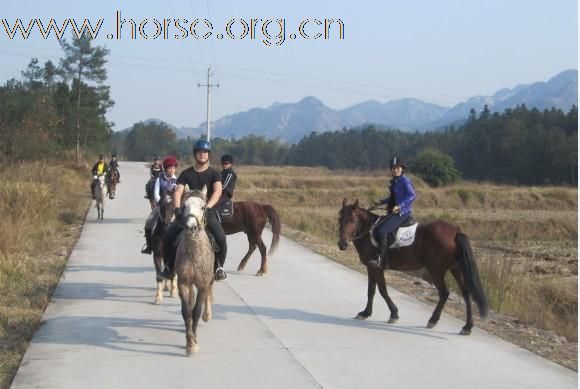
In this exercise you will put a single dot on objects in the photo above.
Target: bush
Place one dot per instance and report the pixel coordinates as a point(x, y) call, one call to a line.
point(435, 167)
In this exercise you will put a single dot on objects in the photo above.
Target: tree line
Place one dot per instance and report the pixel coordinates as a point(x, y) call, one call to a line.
point(520, 145)
point(57, 108)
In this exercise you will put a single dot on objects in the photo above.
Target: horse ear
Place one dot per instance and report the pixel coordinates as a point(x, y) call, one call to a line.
point(344, 202)
point(204, 191)
point(187, 190)
point(355, 206)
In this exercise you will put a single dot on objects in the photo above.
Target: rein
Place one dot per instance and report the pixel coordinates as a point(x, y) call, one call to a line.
point(356, 237)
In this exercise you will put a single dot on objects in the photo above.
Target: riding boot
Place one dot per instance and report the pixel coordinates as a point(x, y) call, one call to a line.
point(384, 252)
point(147, 248)
point(376, 262)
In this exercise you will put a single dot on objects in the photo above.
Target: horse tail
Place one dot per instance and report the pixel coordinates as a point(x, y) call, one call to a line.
point(469, 268)
point(274, 220)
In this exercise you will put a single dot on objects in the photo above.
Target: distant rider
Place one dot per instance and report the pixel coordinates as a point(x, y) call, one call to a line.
point(99, 168)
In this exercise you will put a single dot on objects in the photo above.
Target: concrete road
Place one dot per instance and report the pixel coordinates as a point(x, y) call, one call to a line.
point(290, 329)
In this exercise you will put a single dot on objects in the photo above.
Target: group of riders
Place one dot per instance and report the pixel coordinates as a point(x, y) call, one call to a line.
point(220, 190)
point(101, 167)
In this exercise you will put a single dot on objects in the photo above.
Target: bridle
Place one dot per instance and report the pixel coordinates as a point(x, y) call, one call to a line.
point(356, 225)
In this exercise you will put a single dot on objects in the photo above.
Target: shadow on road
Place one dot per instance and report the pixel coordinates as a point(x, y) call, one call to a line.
point(103, 332)
point(220, 312)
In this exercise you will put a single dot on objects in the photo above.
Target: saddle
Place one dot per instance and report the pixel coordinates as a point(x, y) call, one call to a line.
point(225, 209)
point(401, 237)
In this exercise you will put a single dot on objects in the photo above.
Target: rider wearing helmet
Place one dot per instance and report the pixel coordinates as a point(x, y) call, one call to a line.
point(165, 185)
point(154, 172)
point(99, 168)
point(114, 166)
point(156, 168)
point(196, 177)
point(399, 207)
point(228, 177)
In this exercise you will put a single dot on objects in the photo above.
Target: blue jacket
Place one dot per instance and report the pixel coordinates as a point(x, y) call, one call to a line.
point(402, 194)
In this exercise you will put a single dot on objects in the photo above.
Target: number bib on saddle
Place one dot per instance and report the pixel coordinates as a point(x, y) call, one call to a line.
point(405, 236)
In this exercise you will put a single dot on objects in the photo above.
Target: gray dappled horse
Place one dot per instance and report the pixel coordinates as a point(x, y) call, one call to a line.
point(194, 266)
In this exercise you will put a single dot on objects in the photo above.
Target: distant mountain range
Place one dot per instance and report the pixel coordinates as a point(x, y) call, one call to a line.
point(292, 121)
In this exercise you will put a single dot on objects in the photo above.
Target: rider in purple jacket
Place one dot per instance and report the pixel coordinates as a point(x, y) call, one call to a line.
point(399, 206)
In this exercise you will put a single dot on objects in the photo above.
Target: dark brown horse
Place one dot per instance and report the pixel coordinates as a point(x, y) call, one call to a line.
point(438, 247)
point(251, 218)
point(165, 215)
point(112, 181)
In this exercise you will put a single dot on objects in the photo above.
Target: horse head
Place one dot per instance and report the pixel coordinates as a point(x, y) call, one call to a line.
point(194, 206)
point(101, 181)
point(166, 210)
point(347, 223)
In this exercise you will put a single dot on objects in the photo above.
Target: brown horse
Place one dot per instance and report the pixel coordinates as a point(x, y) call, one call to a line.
point(438, 247)
point(112, 181)
point(251, 218)
point(165, 216)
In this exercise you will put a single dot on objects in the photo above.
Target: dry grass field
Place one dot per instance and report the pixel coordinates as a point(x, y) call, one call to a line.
point(42, 209)
point(524, 238)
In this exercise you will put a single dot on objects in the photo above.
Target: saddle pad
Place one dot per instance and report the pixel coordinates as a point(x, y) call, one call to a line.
point(405, 236)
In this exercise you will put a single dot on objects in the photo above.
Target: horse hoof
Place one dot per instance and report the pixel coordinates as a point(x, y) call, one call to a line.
point(465, 331)
point(431, 324)
point(205, 317)
point(240, 268)
point(393, 320)
point(191, 349)
point(259, 274)
point(360, 317)
point(157, 301)
point(173, 293)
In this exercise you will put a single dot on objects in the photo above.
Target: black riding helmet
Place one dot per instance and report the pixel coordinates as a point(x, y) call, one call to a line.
point(227, 158)
point(396, 161)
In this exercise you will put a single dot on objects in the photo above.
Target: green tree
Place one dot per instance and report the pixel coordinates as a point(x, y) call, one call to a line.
point(435, 167)
point(82, 64)
point(146, 140)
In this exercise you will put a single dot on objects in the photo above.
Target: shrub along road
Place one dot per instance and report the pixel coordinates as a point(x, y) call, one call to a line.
point(291, 328)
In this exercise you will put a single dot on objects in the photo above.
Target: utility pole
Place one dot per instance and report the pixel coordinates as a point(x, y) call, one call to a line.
point(209, 85)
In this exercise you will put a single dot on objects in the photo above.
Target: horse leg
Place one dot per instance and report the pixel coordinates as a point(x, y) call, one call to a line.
point(207, 305)
point(379, 275)
point(173, 291)
point(439, 282)
point(202, 295)
point(159, 294)
point(466, 330)
point(187, 296)
point(264, 264)
point(251, 249)
point(372, 287)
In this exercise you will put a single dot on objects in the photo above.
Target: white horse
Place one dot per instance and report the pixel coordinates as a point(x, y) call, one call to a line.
point(100, 195)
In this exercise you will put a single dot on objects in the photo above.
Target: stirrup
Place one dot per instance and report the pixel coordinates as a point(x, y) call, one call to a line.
point(375, 262)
